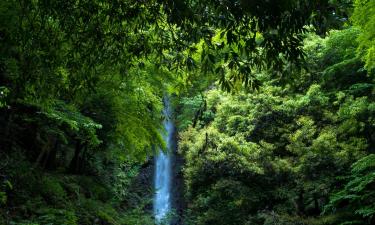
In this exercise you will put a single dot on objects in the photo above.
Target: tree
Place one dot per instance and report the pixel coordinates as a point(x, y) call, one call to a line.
point(363, 17)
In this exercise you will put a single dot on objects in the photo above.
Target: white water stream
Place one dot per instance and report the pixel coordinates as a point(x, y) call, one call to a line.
point(162, 198)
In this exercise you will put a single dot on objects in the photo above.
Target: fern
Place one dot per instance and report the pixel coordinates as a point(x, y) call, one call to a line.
point(358, 192)
point(364, 164)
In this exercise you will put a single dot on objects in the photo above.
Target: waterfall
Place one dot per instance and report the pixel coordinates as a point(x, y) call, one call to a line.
point(162, 198)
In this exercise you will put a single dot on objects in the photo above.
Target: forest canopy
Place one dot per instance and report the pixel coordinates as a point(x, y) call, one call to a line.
point(273, 102)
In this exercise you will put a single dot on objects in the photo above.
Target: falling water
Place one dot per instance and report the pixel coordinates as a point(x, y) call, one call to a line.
point(162, 199)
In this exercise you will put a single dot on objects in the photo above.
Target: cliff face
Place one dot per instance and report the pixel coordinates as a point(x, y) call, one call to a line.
point(178, 201)
point(143, 185)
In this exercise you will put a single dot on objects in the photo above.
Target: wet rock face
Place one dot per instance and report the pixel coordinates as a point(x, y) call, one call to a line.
point(143, 185)
point(168, 179)
point(177, 181)
point(171, 198)
point(178, 202)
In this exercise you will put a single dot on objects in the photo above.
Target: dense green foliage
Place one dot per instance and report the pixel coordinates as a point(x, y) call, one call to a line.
point(76, 118)
point(286, 154)
point(275, 109)
point(364, 18)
